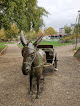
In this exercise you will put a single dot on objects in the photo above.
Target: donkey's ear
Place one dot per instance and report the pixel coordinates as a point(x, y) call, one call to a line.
point(23, 39)
point(38, 41)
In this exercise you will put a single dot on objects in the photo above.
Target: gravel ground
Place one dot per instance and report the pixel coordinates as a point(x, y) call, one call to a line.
point(60, 88)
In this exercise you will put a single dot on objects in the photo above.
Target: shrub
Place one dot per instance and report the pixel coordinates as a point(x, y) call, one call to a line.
point(68, 39)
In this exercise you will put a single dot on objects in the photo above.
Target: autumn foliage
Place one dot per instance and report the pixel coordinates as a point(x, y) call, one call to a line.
point(9, 34)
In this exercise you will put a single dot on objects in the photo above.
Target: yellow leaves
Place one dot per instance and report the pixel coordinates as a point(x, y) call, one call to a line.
point(28, 102)
point(2, 34)
point(50, 31)
point(13, 27)
point(24, 100)
point(10, 33)
point(39, 33)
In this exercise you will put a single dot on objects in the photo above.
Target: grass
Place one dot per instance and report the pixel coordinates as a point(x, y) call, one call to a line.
point(76, 48)
point(2, 46)
point(3, 43)
point(11, 42)
point(54, 43)
point(21, 45)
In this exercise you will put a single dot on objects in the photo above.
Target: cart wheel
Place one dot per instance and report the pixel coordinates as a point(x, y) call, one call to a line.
point(55, 62)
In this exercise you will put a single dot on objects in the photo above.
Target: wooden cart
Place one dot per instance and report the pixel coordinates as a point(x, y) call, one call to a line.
point(51, 57)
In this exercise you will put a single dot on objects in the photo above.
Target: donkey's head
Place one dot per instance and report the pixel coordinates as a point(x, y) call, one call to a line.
point(28, 52)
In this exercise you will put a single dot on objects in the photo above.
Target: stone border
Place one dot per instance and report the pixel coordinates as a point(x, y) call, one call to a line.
point(4, 50)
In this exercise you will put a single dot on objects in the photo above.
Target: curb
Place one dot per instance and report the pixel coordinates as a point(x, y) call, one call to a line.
point(4, 50)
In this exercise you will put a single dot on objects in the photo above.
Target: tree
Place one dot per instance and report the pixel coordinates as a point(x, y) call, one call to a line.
point(31, 35)
point(67, 30)
point(39, 33)
point(77, 27)
point(26, 14)
point(50, 31)
point(2, 35)
point(12, 32)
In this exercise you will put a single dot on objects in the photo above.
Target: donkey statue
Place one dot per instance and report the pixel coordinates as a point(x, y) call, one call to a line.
point(33, 61)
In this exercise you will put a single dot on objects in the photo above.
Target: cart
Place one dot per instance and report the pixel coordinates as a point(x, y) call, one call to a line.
point(51, 57)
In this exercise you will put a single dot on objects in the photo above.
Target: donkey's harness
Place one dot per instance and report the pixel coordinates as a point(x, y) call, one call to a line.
point(32, 56)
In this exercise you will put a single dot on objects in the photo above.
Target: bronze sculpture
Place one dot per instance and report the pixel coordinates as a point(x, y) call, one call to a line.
point(33, 61)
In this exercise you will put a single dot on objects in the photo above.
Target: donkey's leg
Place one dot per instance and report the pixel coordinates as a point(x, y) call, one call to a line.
point(38, 82)
point(30, 84)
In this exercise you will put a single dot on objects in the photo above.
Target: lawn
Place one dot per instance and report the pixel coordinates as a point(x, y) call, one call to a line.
point(76, 48)
point(20, 45)
point(54, 43)
point(3, 43)
point(2, 46)
point(11, 42)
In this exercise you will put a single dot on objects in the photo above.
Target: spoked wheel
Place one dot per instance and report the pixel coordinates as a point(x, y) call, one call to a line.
point(55, 62)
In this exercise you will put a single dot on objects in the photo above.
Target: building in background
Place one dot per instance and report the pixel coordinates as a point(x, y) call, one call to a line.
point(47, 37)
point(62, 31)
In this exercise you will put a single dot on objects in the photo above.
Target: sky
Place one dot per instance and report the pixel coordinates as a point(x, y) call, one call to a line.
point(61, 12)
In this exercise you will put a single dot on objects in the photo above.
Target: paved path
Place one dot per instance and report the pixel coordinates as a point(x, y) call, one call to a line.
point(61, 88)
point(13, 51)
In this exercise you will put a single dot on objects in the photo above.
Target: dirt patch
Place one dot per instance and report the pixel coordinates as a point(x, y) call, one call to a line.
point(60, 88)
